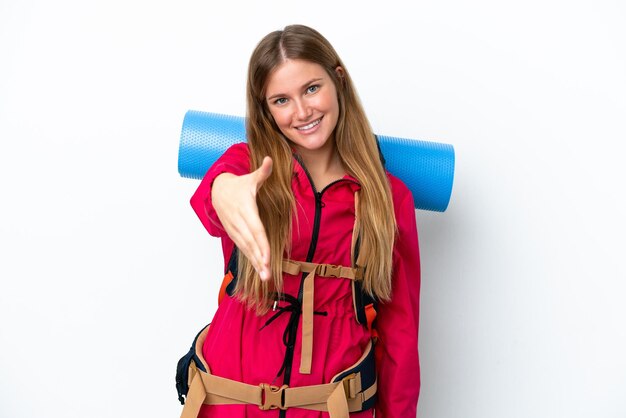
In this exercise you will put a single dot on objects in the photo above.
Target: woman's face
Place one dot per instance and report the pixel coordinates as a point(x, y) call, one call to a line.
point(302, 99)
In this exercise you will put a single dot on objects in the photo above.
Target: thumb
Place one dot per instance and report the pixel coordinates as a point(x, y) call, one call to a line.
point(263, 172)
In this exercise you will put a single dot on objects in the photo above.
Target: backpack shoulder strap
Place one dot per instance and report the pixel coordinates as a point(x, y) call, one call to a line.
point(230, 276)
point(364, 304)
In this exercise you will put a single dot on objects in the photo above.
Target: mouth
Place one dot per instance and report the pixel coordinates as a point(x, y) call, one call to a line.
point(309, 125)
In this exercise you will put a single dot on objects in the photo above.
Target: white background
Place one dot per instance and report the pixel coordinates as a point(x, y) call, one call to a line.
point(106, 273)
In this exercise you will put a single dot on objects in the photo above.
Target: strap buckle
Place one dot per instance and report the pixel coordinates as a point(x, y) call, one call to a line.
point(359, 272)
point(329, 270)
point(272, 397)
point(350, 385)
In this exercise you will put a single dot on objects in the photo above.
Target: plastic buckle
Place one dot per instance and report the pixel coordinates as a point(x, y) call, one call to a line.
point(329, 270)
point(359, 272)
point(272, 397)
point(349, 386)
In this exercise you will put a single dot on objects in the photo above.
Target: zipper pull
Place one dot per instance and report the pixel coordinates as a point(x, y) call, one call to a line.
point(318, 198)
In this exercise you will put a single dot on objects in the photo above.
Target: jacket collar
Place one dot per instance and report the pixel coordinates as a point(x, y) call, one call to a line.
point(299, 169)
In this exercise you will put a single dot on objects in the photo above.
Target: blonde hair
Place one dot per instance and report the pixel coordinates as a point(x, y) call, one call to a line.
point(356, 147)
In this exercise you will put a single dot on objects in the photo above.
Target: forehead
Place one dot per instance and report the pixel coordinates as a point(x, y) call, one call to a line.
point(293, 75)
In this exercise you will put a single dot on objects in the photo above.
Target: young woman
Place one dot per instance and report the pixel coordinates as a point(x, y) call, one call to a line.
point(313, 227)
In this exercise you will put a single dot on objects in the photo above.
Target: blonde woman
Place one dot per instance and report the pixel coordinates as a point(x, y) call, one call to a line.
point(316, 234)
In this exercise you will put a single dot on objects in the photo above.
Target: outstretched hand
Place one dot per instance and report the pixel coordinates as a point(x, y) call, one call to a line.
point(234, 200)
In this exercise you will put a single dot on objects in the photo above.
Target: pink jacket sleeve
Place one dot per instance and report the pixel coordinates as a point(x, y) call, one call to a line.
point(397, 323)
point(236, 161)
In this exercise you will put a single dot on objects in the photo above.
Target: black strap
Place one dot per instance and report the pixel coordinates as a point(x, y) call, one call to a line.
point(182, 369)
point(232, 267)
point(380, 152)
point(361, 298)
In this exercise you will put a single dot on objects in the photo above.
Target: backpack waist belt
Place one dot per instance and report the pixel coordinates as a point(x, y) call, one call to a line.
point(323, 270)
point(351, 390)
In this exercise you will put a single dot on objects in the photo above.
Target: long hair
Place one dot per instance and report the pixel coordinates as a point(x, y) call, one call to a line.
point(356, 147)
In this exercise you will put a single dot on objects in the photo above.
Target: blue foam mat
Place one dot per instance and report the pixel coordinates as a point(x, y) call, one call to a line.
point(427, 168)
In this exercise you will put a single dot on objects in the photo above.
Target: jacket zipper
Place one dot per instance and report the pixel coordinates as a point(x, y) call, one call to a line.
point(316, 226)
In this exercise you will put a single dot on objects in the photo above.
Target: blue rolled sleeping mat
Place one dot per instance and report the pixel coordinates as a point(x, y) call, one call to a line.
point(427, 168)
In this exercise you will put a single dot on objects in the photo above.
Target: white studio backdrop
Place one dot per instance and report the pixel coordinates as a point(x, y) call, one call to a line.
point(106, 274)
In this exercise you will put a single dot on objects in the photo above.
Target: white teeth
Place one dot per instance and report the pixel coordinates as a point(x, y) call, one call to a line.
point(309, 126)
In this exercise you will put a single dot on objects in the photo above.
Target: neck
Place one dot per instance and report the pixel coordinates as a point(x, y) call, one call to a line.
point(323, 165)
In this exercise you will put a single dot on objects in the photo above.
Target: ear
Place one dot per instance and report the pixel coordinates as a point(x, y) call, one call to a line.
point(340, 72)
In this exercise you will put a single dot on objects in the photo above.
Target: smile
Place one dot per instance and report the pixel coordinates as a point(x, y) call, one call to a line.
point(309, 126)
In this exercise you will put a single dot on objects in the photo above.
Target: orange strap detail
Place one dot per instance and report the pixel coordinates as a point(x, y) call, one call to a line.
point(370, 315)
point(228, 277)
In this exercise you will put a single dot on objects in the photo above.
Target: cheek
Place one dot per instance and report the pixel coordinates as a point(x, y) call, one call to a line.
point(281, 118)
point(331, 102)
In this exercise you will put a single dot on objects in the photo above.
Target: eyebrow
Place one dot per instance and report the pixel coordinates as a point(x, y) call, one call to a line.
point(308, 83)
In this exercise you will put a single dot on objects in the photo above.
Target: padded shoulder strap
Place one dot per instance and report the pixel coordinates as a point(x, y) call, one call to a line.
point(230, 276)
point(232, 269)
point(364, 304)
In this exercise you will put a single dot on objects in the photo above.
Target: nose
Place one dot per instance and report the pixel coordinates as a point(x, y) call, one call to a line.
point(303, 111)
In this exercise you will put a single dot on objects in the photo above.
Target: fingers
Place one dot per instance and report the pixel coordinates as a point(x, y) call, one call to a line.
point(249, 235)
point(262, 252)
point(234, 199)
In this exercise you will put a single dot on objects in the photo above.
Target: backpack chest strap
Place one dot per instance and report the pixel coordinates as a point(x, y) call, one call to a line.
point(313, 269)
point(323, 270)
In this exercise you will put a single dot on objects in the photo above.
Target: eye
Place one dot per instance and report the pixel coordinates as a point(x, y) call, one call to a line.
point(313, 88)
point(280, 101)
